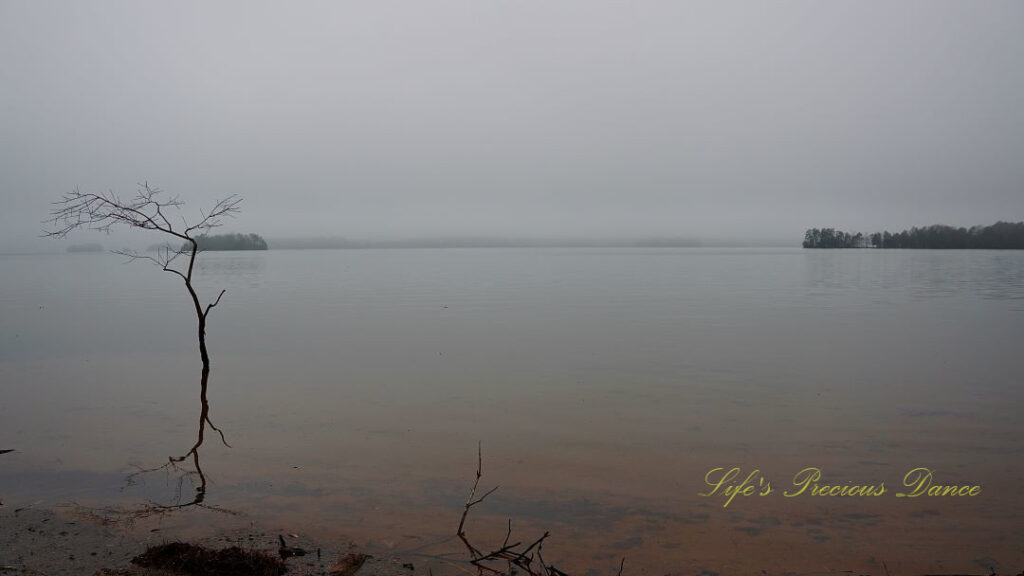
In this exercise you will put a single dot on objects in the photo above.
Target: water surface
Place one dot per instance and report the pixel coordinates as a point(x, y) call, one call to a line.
point(603, 384)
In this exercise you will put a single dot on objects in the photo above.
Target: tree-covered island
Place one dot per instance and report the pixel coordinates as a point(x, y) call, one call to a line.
point(216, 242)
point(998, 236)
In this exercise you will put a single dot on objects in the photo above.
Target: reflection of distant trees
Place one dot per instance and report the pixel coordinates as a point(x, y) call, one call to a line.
point(999, 236)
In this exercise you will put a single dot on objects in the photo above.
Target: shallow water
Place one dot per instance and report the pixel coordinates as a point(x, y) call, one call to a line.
point(354, 386)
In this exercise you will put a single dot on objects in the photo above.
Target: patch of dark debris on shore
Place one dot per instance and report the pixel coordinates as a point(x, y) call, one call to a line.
point(71, 540)
point(200, 561)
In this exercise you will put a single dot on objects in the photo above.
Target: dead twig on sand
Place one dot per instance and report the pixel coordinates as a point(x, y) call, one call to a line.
point(509, 557)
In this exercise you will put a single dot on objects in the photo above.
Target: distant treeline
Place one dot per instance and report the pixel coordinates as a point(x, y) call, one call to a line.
point(229, 242)
point(85, 248)
point(999, 236)
point(480, 242)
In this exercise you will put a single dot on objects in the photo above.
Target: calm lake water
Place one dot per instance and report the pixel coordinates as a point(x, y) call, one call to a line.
point(354, 386)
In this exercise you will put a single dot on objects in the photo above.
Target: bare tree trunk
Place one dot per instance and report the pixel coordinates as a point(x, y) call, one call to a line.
point(202, 328)
point(200, 313)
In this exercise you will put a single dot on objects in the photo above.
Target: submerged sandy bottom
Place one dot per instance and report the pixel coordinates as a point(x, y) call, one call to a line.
point(607, 482)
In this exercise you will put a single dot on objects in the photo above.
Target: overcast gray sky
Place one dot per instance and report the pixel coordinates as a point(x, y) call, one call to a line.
point(403, 119)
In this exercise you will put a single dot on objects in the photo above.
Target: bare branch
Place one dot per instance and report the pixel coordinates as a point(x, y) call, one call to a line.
point(76, 210)
point(217, 301)
point(133, 255)
point(224, 207)
point(163, 259)
point(146, 210)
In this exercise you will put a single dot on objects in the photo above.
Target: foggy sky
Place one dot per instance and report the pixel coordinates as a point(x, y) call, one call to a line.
point(409, 119)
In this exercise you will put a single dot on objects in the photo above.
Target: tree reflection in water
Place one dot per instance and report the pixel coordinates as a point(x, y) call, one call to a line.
point(177, 466)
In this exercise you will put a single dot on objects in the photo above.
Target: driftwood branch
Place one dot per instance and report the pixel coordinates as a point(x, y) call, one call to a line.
point(508, 558)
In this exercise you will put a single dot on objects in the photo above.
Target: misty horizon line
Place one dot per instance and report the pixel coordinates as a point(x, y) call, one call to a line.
point(460, 241)
point(521, 241)
point(442, 241)
point(480, 241)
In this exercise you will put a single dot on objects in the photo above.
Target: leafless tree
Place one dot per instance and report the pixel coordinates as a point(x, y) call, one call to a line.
point(150, 210)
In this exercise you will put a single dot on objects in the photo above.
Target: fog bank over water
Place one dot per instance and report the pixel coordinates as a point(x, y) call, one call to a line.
point(579, 119)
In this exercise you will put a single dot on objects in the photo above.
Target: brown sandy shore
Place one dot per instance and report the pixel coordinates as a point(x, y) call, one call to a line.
point(76, 540)
point(72, 540)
